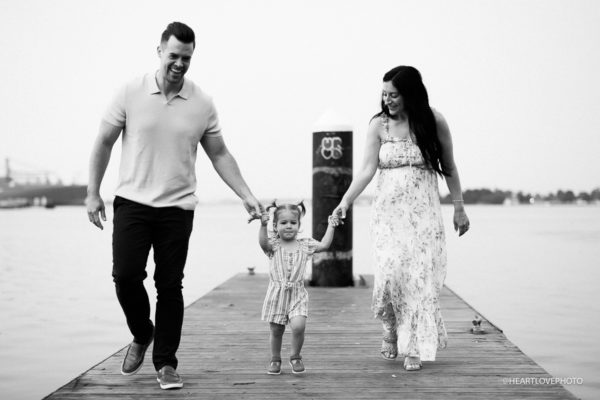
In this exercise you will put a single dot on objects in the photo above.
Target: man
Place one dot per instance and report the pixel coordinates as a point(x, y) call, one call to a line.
point(163, 117)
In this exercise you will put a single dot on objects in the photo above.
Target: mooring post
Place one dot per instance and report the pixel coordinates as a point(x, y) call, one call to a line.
point(332, 175)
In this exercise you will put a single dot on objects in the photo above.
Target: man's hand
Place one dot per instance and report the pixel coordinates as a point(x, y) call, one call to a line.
point(95, 210)
point(254, 208)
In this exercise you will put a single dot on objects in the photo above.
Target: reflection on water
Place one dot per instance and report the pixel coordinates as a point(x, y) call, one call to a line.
point(530, 270)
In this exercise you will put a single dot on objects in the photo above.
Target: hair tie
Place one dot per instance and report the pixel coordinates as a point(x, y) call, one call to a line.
point(272, 205)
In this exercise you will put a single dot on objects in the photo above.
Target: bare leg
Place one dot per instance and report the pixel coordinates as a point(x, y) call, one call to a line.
point(412, 363)
point(298, 325)
point(276, 339)
point(389, 346)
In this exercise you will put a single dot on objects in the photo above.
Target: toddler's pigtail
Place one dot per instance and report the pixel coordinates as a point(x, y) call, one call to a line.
point(301, 207)
point(272, 205)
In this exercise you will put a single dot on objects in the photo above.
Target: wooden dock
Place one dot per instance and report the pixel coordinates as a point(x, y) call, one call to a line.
point(225, 351)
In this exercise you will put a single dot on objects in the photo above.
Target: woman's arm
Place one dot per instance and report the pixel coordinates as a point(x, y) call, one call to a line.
point(367, 171)
point(461, 221)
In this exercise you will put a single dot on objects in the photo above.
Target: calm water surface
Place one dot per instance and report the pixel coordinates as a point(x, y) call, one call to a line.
point(533, 271)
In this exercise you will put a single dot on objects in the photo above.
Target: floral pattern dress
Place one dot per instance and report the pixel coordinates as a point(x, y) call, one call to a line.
point(409, 248)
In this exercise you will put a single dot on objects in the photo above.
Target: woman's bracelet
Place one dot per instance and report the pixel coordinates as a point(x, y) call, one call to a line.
point(458, 201)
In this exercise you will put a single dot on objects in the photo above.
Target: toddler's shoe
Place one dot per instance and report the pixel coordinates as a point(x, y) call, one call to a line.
point(297, 365)
point(274, 366)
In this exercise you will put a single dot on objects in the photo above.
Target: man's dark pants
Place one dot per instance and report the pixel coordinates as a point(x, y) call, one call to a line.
point(167, 230)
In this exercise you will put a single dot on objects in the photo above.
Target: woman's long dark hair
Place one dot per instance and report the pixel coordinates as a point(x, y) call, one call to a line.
point(407, 80)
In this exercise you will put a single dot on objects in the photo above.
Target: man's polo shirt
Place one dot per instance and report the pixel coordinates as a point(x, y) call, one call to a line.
point(160, 141)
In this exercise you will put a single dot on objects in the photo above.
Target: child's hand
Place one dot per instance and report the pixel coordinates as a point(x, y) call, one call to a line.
point(255, 215)
point(264, 218)
point(333, 220)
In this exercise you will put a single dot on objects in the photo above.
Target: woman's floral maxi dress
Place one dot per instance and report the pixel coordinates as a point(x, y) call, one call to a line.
point(409, 248)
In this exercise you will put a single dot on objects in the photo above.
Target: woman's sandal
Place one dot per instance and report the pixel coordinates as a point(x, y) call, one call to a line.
point(297, 364)
point(412, 363)
point(274, 366)
point(389, 347)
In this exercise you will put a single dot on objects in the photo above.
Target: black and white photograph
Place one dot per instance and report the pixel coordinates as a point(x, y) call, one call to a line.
point(322, 199)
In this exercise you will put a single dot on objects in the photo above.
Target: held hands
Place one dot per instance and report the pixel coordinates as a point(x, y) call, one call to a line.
point(340, 212)
point(334, 221)
point(254, 208)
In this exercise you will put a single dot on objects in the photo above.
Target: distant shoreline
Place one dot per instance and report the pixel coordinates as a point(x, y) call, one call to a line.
point(366, 199)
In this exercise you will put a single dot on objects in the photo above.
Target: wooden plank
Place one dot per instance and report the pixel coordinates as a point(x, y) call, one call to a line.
point(225, 350)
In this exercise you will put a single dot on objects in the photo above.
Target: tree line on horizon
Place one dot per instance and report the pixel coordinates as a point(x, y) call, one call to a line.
point(488, 196)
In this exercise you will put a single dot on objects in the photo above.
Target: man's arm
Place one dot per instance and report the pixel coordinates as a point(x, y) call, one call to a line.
point(228, 170)
point(107, 136)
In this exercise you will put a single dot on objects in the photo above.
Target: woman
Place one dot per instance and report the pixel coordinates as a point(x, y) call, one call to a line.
point(410, 144)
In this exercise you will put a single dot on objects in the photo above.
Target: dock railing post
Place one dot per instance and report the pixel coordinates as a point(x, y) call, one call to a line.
point(332, 175)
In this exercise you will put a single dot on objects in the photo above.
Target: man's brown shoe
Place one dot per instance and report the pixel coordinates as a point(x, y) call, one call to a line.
point(168, 378)
point(134, 358)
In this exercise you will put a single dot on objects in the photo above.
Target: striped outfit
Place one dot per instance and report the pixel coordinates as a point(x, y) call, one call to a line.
point(286, 296)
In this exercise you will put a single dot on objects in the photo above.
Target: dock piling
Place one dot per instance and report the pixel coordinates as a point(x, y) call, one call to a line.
point(332, 175)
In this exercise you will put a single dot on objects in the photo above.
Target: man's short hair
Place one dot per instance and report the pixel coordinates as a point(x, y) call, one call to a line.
point(181, 31)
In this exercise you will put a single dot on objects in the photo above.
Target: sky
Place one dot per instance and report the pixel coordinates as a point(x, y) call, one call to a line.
point(517, 82)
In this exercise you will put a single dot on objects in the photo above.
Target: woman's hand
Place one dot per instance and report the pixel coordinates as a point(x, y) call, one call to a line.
point(340, 211)
point(461, 221)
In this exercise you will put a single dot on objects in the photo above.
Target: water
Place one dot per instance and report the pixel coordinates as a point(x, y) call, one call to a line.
point(531, 270)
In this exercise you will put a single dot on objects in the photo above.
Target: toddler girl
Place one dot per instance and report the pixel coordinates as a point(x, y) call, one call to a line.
point(286, 301)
